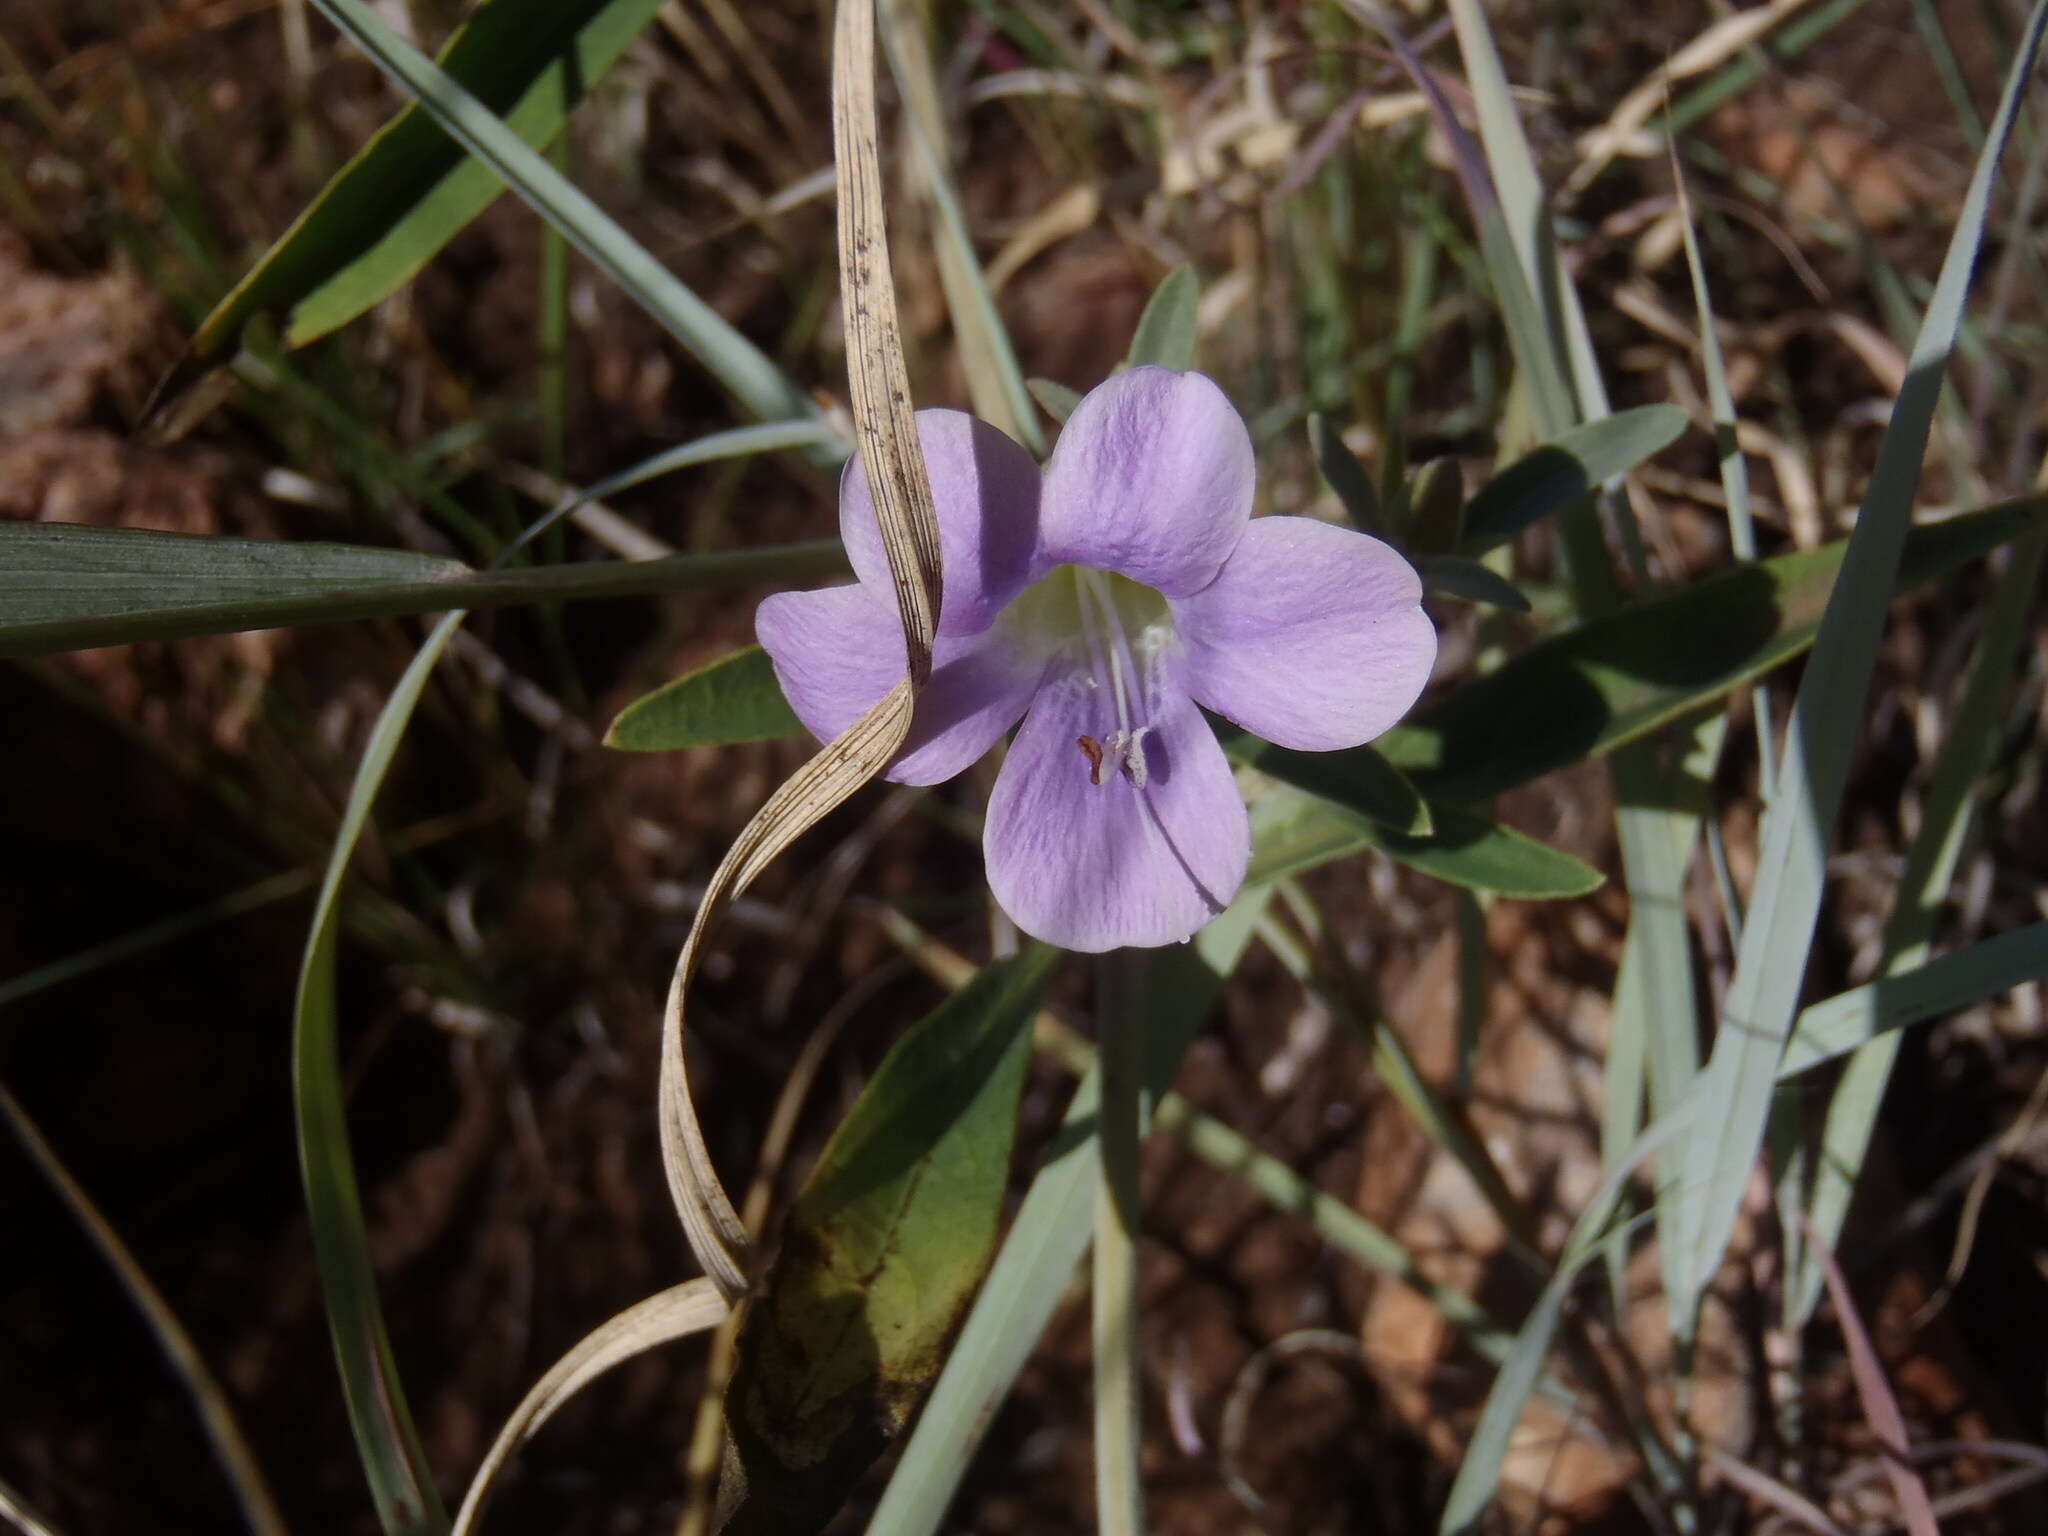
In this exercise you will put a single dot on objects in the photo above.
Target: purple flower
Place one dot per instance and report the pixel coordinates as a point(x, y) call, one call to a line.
point(1100, 602)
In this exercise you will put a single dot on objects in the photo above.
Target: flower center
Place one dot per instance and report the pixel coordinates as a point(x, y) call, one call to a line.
point(1113, 630)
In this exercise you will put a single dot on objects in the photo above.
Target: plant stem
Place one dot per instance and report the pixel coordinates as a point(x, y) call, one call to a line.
point(1119, 1434)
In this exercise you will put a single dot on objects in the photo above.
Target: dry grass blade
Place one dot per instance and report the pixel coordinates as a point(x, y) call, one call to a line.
point(236, 1459)
point(15, 1511)
point(887, 433)
point(1790, 1503)
point(1715, 46)
point(1880, 1408)
point(675, 1313)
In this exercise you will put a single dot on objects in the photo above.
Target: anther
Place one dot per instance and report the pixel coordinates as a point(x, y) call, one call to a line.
point(1092, 750)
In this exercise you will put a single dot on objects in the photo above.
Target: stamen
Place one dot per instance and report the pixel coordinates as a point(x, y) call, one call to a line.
point(1092, 750)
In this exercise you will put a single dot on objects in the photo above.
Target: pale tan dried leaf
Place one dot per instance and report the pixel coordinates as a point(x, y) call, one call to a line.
point(675, 1313)
point(887, 433)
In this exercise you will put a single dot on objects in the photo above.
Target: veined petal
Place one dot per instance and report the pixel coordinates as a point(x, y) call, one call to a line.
point(1151, 478)
point(1312, 635)
point(837, 650)
point(985, 493)
point(1093, 867)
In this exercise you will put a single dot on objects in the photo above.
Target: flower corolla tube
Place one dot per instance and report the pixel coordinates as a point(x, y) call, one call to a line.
point(1101, 601)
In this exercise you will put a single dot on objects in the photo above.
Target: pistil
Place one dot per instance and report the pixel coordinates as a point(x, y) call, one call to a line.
point(1109, 652)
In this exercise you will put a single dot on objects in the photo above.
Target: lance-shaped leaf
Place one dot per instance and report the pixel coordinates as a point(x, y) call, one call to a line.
point(411, 189)
point(732, 699)
point(1166, 332)
point(1295, 831)
point(65, 586)
point(1615, 679)
point(882, 1254)
point(1557, 474)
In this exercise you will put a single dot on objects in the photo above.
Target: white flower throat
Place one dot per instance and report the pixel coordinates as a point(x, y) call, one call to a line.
point(1116, 629)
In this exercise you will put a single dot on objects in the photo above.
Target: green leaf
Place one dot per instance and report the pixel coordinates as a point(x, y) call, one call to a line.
point(734, 360)
point(1344, 475)
point(1166, 331)
point(1455, 576)
point(1293, 831)
point(731, 700)
point(412, 189)
point(67, 587)
point(882, 1254)
point(1047, 1239)
point(1777, 937)
point(1359, 779)
point(394, 1462)
point(1834, 1028)
point(1617, 678)
point(1058, 400)
point(1557, 474)
point(1483, 855)
point(55, 573)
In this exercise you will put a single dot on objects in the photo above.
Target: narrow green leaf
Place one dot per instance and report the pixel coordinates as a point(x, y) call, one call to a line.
point(1359, 779)
point(1834, 1028)
point(1483, 855)
point(1479, 1472)
point(412, 188)
point(1553, 476)
point(1344, 475)
point(1785, 902)
point(244, 1474)
point(1617, 678)
point(1058, 400)
point(1294, 831)
point(52, 573)
point(1166, 331)
point(1456, 576)
point(401, 1483)
point(731, 700)
point(881, 1256)
point(1966, 751)
point(995, 382)
point(735, 361)
point(1046, 1240)
point(393, 1460)
point(65, 587)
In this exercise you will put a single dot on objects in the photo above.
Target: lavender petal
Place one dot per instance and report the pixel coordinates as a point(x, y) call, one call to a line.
point(985, 492)
point(837, 650)
point(1096, 866)
point(1312, 635)
point(1152, 478)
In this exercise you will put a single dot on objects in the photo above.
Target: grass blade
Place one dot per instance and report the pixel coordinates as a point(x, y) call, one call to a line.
point(1716, 1161)
point(1931, 861)
point(995, 381)
point(1841, 1024)
point(401, 1484)
point(411, 189)
point(1486, 1452)
point(735, 361)
point(201, 585)
point(1045, 1243)
point(393, 1460)
point(237, 1460)
point(66, 586)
